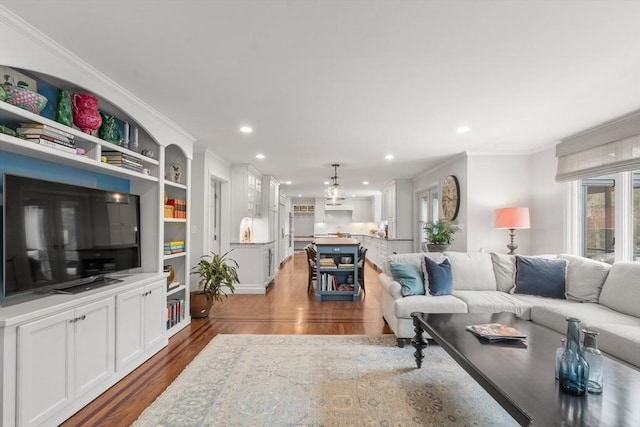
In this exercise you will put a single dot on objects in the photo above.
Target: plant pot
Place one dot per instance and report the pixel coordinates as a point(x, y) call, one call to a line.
point(200, 305)
point(437, 248)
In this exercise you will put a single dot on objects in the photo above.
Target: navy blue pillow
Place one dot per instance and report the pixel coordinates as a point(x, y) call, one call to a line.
point(540, 276)
point(440, 279)
point(409, 277)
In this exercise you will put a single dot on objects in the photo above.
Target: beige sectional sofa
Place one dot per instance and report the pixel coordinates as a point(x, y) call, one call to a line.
point(605, 298)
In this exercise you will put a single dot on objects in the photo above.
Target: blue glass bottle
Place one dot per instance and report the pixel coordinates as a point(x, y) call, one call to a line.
point(574, 369)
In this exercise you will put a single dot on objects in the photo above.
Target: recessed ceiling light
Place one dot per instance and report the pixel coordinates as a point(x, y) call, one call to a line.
point(353, 195)
point(246, 129)
point(288, 182)
point(260, 156)
point(365, 182)
point(326, 183)
point(299, 195)
point(463, 129)
point(389, 157)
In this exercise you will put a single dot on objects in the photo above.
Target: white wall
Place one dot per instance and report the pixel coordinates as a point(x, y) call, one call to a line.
point(547, 204)
point(456, 166)
point(496, 181)
point(205, 166)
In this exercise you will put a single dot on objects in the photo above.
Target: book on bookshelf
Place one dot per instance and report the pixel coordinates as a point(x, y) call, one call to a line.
point(496, 332)
point(51, 144)
point(56, 138)
point(34, 127)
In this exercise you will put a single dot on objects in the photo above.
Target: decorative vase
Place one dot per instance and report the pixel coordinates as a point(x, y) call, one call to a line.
point(63, 108)
point(199, 304)
point(85, 112)
point(594, 359)
point(25, 98)
point(559, 351)
point(437, 248)
point(574, 369)
point(109, 130)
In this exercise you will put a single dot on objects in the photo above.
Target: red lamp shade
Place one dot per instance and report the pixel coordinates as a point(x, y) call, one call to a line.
point(512, 218)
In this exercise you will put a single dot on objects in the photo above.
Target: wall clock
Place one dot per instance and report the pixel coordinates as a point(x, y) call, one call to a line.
point(450, 198)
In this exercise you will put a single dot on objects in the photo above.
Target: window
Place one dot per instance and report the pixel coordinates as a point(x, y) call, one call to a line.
point(609, 217)
point(599, 219)
point(636, 215)
point(429, 208)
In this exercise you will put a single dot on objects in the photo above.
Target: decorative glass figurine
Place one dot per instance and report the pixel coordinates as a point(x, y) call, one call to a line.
point(594, 359)
point(559, 351)
point(574, 369)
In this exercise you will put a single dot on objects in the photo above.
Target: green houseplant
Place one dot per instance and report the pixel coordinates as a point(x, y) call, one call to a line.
point(218, 275)
point(439, 234)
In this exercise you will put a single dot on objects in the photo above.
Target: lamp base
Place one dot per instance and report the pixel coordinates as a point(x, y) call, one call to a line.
point(512, 246)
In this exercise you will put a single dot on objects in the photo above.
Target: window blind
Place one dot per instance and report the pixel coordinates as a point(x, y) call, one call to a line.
point(609, 148)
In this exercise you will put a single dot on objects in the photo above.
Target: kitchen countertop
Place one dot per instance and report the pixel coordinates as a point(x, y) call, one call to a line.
point(252, 243)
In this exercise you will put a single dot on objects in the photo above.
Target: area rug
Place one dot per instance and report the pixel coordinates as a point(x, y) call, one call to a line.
point(313, 380)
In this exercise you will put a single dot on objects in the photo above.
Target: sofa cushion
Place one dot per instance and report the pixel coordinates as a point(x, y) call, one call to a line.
point(410, 258)
point(434, 256)
point(540, 276)
point(403, 307)
point(409, 277)
point(621, 289)
point(439, 277)
point(554, 315)
point(622, 341)
point(472, 271)
point(493, 302)
point(504, 268)
point(585, 278)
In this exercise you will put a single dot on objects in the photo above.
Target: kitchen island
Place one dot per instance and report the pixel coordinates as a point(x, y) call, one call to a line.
point(337, 267)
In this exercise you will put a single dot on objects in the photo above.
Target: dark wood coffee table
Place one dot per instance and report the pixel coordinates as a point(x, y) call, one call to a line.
point(522, 378)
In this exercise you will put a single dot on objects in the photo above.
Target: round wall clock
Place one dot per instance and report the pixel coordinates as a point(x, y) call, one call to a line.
point(450, 198)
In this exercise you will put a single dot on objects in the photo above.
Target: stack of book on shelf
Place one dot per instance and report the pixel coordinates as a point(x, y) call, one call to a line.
point(327, 263)
point(179, 208)
point(175, 312)
point(497, 332)
point(48, 136)
point(123, 160)
point(174, 247)
point(346, 265)
point(329, 282)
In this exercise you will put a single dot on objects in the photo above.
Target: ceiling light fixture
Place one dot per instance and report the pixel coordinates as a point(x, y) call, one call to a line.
point(463, 129)
point(287, 182)
point(334, 192)
point(246, 129)
point(365, 182)
point(260, 156)
point(389, 157)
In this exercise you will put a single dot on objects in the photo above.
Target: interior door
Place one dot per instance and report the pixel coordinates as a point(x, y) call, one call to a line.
point(213, 238)
point(283, 233)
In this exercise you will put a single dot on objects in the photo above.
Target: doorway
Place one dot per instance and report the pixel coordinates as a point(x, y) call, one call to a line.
point(213, 235)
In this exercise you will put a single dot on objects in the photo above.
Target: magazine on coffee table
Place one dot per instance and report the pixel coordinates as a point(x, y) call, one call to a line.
point(496, 332)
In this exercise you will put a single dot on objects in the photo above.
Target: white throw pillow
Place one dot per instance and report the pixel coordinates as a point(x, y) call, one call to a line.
point(585, 278)
point(621, 290)
point(472, 271)
point(504, 267)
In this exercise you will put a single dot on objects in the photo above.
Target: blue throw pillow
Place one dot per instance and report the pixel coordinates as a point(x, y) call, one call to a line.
point(540, 276)
point(440, 279)
point(409, 278)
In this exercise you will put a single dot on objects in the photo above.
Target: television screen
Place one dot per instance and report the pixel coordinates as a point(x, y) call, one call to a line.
point(59, 234)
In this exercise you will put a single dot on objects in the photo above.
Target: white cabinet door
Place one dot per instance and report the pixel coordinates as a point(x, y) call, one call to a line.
point(45, 361)
point(129, 329)
point(140, 322)
point(95, 344)
point(155, 312)
point(319, 210)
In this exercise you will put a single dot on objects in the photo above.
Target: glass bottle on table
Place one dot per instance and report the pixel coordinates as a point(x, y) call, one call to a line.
point(574, 368)
point(559, 351)
point(594, 359)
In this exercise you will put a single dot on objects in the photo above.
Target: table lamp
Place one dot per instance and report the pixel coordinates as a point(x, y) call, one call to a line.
point(511, 219)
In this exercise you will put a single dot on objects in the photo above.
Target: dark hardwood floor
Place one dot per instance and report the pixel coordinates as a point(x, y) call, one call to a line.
point(285, 309)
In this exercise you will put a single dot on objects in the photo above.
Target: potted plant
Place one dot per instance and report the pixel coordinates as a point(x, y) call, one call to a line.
point(439, 234)
point(218, 275)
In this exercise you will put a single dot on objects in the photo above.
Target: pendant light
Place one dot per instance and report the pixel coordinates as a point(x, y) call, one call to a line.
point(334, 193)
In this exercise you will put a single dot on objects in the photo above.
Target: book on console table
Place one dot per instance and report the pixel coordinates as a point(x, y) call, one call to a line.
point(496, 332)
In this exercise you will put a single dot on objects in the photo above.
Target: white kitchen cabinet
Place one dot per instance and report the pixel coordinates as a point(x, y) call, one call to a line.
point(256, 266)
point(62, 357)
point(319, 209)
point(362, 209)
point(246, 194)
point(397, 208)
point(140, 322)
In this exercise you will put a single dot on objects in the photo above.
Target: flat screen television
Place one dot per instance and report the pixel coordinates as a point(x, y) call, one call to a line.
point(57, 236)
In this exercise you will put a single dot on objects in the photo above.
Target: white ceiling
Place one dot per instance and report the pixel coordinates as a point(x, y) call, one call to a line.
point(351, 81)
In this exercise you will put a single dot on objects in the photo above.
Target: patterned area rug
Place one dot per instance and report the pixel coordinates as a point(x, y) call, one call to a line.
point(313, 380)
